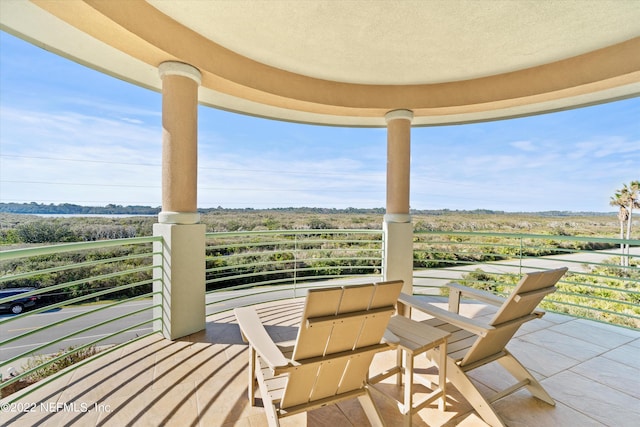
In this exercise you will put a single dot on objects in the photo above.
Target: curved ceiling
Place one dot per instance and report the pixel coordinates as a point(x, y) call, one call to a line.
point(350, 62)
point(405, 42)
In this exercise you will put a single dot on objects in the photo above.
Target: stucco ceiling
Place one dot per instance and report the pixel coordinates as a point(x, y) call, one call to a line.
point(349, 62)
point(406, 42)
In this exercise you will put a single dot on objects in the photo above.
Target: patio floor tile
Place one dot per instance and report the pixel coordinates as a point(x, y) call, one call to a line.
point(201, 380)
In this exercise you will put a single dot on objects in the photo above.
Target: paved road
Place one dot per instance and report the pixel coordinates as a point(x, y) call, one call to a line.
point(30, 323)
point(578, 262)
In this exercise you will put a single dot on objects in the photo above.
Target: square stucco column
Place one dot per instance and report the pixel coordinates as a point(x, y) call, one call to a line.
point(180, 282)
point(398, 252)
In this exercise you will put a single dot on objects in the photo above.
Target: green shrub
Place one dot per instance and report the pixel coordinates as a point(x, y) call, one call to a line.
point(45, 366)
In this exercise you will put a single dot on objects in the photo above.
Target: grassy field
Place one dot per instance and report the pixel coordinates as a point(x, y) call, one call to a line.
point(603, 225)
point(20, 230)
point(615, 290)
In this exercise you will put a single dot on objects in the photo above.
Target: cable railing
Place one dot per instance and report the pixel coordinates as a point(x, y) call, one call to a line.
point(280, 264)
point(105, 288)
point(603, 281)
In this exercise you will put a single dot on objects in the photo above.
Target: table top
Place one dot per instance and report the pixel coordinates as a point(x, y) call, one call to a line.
point(414, 335)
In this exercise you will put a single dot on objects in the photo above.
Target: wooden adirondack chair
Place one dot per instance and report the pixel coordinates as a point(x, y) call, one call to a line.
point(340, 332)
point(474, 343)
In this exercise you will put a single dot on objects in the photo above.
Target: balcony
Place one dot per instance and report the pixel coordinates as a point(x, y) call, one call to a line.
point(589, 366)
point(193, 57)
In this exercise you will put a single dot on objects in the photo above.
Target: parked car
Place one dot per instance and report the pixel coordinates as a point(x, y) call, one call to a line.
point(18, 304)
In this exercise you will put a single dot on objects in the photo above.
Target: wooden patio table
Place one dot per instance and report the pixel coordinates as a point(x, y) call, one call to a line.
point(413, 339)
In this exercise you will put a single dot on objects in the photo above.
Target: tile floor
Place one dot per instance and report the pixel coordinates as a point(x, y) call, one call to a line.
point(591, 369)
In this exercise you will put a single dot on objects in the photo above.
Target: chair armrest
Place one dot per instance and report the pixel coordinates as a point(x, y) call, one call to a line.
point(457, 291)
point(254, 332)
point(474, 326)
point(477, 294)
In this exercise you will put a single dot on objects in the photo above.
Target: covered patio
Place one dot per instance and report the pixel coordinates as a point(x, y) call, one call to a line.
point(363, 64)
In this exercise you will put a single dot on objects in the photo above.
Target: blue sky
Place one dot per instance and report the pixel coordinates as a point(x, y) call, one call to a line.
point(69, 134)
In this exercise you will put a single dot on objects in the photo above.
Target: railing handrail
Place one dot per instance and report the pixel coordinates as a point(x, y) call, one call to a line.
point(295, 231)
point(616, 240)
point(73, 247)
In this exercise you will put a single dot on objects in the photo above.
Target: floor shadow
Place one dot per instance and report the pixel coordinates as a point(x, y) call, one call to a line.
point(229, 333)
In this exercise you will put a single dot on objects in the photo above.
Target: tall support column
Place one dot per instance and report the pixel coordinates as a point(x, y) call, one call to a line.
point(179, 274)
point(179, 143)
point(397, 227)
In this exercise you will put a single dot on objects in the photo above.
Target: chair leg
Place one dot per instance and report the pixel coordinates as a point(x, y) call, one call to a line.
point(252, 376)
point(469, 391)
point(371, 410)
point(515, 368)
point(272, 416)
point(268, 404)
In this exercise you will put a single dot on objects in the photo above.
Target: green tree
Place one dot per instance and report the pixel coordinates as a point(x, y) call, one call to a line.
point(623, 216)
point(633, 197)
point(627, 198)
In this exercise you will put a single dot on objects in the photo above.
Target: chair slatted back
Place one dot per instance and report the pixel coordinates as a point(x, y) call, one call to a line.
point(337, 340)
point(517, 309)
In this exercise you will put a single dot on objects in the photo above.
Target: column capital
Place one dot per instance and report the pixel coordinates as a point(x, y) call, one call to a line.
point(397, 218)
point(399, 114)
point(175, 68)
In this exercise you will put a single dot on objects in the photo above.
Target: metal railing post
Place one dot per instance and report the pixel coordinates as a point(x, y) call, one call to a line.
point(295, 265)
point(520, 255)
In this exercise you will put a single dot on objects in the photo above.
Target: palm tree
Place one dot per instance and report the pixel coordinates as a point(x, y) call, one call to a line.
point(633, 195)
point(626, 199)
point(623, 217)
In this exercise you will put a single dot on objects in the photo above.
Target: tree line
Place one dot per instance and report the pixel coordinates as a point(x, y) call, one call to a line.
point(34, 208)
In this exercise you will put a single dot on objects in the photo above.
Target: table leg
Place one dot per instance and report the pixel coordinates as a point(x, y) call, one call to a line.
point(442, 376)
point(399, 354)
point(408, 388)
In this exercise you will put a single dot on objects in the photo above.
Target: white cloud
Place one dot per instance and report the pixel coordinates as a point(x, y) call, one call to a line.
point(132, 121)
point(272, 182)
point(524, 145)
point(72, 157)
